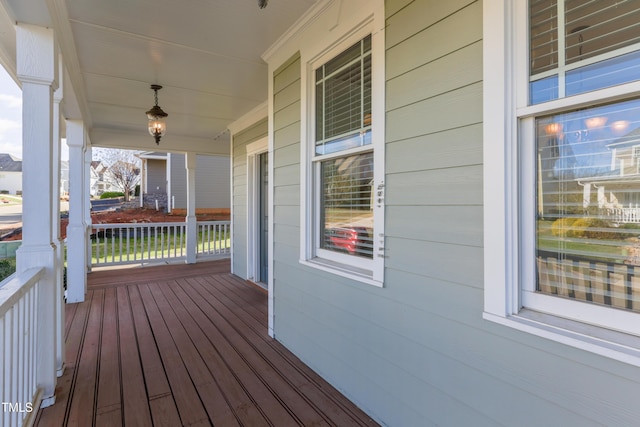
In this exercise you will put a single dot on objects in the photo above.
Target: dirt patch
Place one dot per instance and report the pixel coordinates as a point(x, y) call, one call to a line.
point(137, 215)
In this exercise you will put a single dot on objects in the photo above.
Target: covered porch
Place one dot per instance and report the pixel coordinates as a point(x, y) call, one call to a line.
point(184, 345)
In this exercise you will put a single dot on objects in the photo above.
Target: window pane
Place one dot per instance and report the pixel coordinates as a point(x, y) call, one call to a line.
point(599, 26)
point(588, 205)
point(343, 100)
point(346, 209)
point(544, 90)
point(614, 71)
point(543, 32)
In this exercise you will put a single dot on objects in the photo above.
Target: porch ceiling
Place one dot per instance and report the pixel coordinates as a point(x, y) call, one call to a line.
point(206, 54)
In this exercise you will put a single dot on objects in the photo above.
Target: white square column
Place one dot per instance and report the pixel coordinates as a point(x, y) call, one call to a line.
point(37, 66)
point(55, 230)
point(192, 224)
point(77, 231)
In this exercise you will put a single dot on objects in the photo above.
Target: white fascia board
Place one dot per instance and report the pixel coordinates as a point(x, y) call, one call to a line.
point(254, 116)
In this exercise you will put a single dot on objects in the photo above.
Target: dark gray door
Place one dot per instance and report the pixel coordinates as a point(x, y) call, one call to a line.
point(263, 216)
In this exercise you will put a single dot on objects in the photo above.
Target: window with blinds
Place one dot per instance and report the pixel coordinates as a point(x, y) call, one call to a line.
point(588, 205)
point(578, 46)
point(343, 100)
point(343, 122)
point(346, 207)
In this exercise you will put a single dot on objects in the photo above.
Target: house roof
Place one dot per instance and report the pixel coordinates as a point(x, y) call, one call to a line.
point(9, 163)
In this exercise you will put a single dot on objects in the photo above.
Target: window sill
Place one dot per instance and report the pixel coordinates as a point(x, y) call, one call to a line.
point(342, 270)
point(604, 342)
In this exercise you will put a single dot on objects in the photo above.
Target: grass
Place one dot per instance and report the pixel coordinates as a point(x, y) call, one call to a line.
point(606, 250)
point(150, 247)
point(8, 200)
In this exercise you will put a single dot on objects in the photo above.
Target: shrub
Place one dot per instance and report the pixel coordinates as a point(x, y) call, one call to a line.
point(562, 226)
point(111, 194)
point(136, 192)
point(4, 191)
point(591, 228)
point(7, 268)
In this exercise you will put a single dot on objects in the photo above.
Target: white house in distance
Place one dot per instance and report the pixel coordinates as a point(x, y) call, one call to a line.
point(405, 178)
point(163, 178)
point(10, 174)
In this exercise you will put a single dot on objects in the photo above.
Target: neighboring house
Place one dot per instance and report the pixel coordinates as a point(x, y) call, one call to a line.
point(408, 188)
point(98, 183)
point(10, 174)
point(164, 179)
point(64, 178)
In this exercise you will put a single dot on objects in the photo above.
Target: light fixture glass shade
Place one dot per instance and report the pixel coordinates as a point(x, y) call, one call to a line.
point(157, 126)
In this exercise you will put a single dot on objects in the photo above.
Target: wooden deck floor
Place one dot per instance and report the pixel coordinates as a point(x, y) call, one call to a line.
point(184, 345)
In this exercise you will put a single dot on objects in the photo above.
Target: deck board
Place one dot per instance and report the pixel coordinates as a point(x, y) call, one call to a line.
point(184, 345)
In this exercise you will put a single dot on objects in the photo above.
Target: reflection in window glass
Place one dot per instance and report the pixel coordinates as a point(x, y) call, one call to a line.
point(346, 218)
point(588, 205)
point(544, 90)
point(615, 71)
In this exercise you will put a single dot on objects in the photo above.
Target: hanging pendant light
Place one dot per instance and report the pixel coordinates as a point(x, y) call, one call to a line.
point(157, 123)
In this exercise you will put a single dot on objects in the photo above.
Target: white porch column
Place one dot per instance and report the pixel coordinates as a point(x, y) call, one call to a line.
point(55, 232)
point(37, 66)
point(88, 154)
point(77, 229)
point(143, 180)
point(192, 225)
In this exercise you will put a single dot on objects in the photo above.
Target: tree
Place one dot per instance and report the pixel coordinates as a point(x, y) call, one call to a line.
point(123, 169)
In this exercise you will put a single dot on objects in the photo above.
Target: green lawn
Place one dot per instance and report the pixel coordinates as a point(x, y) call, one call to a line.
point(606, 250)
point(149, 247)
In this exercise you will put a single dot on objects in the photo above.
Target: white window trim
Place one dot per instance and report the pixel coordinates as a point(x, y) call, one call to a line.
point(505, 94)
point(370, 22)
point(254, 150)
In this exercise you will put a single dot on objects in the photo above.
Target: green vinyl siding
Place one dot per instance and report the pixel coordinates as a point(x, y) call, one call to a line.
point(240, 140)
point(417, 352)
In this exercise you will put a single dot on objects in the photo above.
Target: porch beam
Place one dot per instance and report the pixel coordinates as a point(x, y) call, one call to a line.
point(77, 235)
point(192, 225)
point(37, 69)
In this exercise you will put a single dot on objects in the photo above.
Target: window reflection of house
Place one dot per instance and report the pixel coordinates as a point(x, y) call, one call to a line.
point(617, 195)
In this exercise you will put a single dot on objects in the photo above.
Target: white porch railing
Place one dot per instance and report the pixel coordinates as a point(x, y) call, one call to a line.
point(141, 243)
point(19, 347)
point(630, 215)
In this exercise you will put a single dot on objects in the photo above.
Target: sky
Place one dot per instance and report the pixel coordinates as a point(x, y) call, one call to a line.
point(11, 118)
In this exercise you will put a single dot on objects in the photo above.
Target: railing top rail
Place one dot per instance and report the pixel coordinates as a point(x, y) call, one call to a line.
point(139, 224)
point(16, 285)
point(153, 224)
